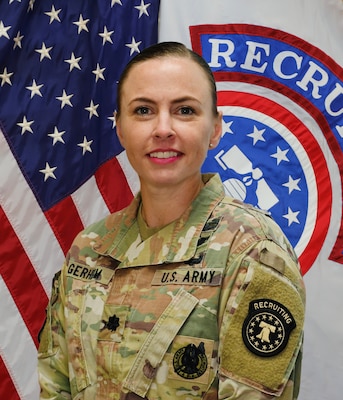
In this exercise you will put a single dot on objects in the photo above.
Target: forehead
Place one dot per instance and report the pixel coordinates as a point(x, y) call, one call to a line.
point(167, 66)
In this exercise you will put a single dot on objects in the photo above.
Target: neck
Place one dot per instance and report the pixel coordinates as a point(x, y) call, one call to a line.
point(162, 206)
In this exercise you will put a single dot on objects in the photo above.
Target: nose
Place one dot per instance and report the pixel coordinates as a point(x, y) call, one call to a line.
point(164, 126)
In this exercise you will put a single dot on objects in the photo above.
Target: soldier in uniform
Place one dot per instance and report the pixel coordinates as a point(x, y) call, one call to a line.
point(186, 293)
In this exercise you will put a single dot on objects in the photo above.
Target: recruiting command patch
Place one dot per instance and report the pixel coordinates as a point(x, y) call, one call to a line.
point(267, 327)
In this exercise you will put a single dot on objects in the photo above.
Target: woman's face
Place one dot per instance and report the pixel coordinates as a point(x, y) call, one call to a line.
point(166, 121)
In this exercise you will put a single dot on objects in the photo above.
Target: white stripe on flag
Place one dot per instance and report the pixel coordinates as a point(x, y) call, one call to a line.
point(130, 173)
point(16, 346)
point(89, 202)
point(27, 218)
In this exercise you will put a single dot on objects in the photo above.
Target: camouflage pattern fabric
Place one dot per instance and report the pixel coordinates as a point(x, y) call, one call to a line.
point(209, 307)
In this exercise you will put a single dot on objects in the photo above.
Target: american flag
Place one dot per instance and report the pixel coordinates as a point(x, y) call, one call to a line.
point(61, 164)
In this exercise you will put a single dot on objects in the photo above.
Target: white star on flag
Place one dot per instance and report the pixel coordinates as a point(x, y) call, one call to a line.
point(143, 8)
point(48, 172)
point(65, 99)
point(53, 14)
point(44, 52)
point(5, 77)
point(17, 40)
point(25, 125)
point(133, 46)
point(98, 72)
point(106, 36)
point(73, 62)
point(85, 145)
point(3, 30)
point(116, 2)
point(56, 136)
point(82, 24)
point(92, 109)
point(35, 89)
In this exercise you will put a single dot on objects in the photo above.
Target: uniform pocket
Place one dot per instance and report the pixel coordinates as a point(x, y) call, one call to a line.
point(190, 365)
point(110, 352)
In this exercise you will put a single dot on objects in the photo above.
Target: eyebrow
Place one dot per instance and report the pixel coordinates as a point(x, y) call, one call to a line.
point(176, 101)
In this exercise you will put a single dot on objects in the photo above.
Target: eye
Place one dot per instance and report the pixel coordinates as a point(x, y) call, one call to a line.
point(142, 110)
point(186, 110)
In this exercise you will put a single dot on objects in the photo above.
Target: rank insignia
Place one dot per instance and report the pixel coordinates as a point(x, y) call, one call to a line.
point(267, 327)
point(190, 361)
point(112, 323)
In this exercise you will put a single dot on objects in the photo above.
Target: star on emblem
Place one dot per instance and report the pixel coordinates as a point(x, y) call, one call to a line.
point(292, 216)
point(280, 155)
point(257, 135)
point(292, 184)
point(226, 127)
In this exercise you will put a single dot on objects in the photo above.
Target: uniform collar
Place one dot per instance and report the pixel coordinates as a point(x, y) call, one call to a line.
point(176, 242)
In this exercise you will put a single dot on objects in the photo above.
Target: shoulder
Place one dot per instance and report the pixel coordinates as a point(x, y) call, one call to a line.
point(249, 224)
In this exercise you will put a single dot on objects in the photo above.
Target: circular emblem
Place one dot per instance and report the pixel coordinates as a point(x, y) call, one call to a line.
point(190, 361)
point(267, 327)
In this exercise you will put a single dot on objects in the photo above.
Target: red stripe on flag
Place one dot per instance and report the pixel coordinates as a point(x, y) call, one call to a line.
point(19, 275)
point(65, 222)
point(113, 185)
point(7, 388)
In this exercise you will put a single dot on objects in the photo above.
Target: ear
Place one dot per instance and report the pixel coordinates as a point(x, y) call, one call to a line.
point(217, 131)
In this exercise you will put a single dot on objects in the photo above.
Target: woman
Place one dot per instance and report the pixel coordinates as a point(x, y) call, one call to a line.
point(186, 293)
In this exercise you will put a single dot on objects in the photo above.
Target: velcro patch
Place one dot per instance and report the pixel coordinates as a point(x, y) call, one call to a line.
point(87, 273)
point(258, 357)
point(188, 276)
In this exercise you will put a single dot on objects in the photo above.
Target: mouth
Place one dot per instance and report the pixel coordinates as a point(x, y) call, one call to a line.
point(164, 154)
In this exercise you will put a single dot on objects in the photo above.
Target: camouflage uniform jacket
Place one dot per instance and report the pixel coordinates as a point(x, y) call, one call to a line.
point(209, 307)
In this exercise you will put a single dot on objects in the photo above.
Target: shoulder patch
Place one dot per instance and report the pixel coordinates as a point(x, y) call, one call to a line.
point(267, 327)
point(265, 333)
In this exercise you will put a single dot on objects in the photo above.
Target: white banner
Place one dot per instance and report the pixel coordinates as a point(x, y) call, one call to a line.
point(278, 67)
